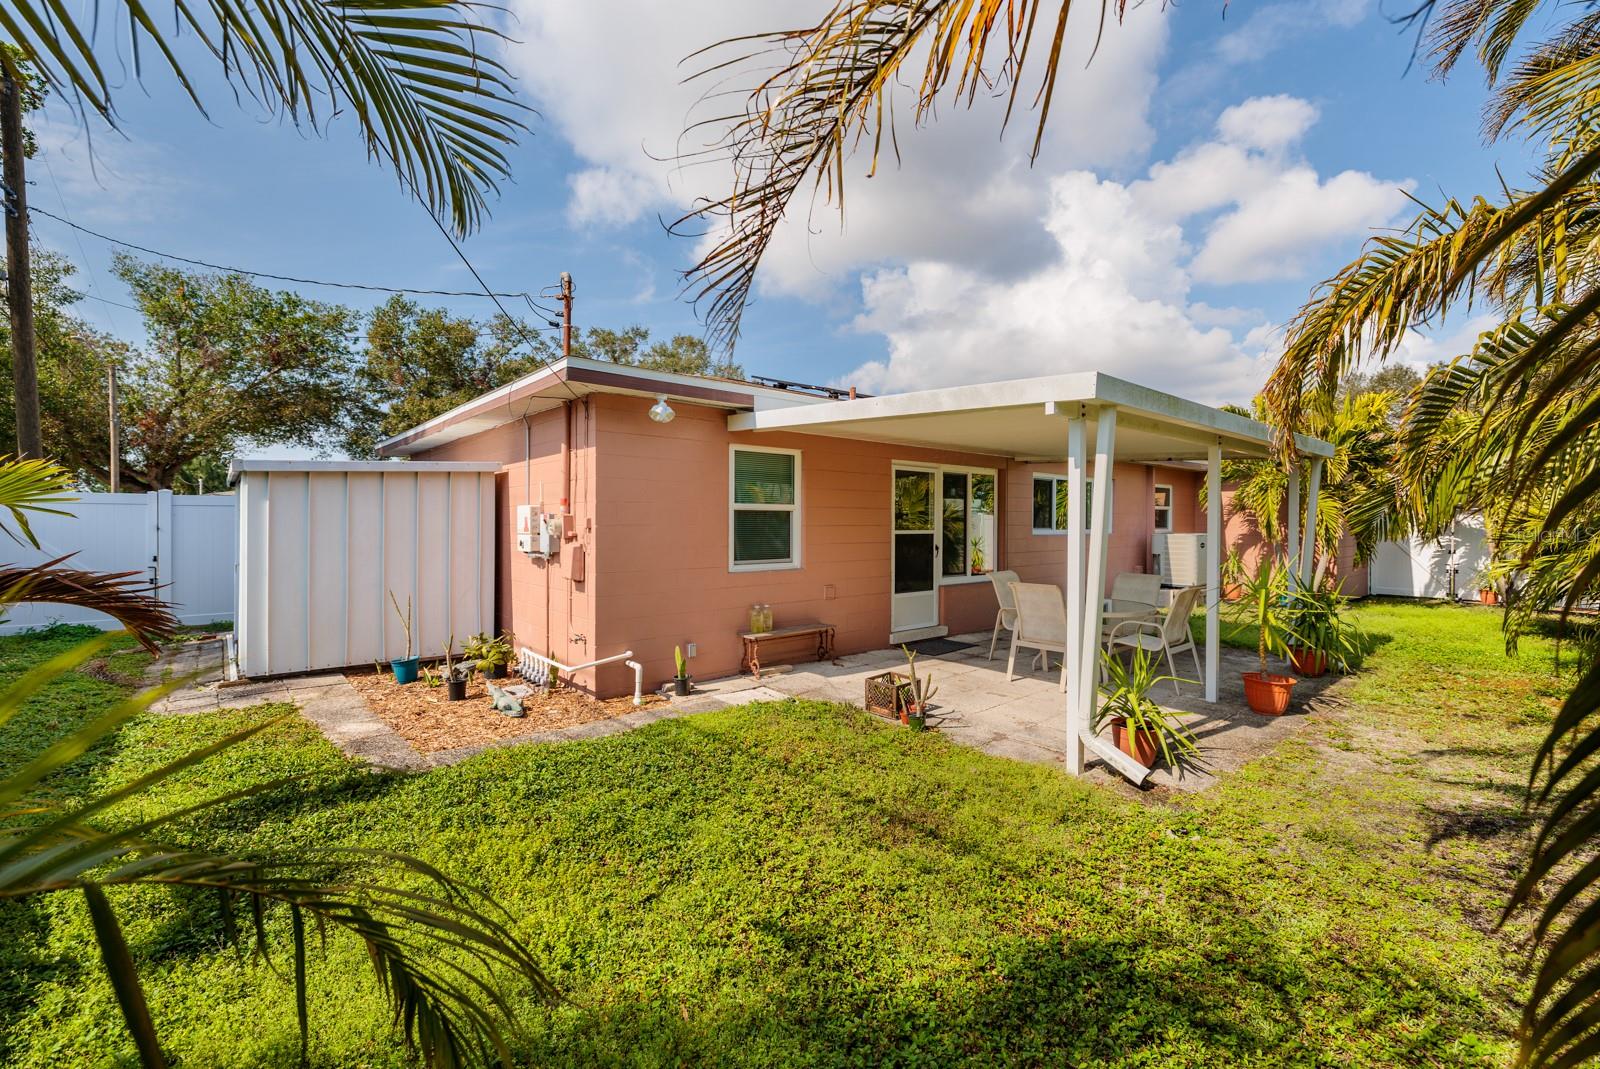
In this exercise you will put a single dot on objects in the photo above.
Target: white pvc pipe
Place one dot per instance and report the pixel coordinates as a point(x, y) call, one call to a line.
point(525, 655)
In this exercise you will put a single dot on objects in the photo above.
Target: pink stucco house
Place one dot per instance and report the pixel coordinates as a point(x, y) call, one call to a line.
point(817, 506)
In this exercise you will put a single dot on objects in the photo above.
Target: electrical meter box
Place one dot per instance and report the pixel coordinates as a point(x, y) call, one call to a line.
point(549, 534)
point(525, 529)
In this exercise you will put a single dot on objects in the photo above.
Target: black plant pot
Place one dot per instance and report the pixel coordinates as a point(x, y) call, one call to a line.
point(681, 685)
point(455, 689)
point(496, 672)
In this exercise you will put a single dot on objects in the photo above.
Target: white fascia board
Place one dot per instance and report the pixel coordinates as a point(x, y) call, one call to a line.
point(397, 467)
point(1089, 388)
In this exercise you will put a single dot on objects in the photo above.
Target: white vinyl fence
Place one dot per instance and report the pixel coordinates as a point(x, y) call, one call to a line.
point(1417, 569)
point(184, 542)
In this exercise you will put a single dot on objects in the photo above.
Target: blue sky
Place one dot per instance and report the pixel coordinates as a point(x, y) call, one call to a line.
point(1198, 178)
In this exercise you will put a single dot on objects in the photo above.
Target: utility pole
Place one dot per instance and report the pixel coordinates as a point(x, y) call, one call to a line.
point(566, 314)
point(19, 281)
point(116, 429)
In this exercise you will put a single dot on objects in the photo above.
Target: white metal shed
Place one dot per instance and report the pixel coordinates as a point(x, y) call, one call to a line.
point(323, 543)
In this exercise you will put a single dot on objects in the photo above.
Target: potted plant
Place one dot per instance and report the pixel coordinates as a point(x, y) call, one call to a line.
point(455, 675)
point(405, 668)
point(919, 691)
point(1322, 637)
point(1488, 590)
point(1265, 603)
point(1141, 728)
point(681, 681)
point(489, 654)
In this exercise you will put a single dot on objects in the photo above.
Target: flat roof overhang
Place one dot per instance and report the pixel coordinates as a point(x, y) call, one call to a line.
point(574, 378)
point(1025, 419)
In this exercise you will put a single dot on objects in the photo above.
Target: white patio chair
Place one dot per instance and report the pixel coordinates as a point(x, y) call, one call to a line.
point(1168, 635)
point(1006, 617)
point(1041, 625)
point(1130, 590)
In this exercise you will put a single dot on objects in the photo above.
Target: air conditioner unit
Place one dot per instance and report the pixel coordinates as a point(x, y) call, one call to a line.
point(1184, 562)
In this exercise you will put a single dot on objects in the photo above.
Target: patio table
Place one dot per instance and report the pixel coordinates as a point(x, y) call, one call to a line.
point(1120, 612)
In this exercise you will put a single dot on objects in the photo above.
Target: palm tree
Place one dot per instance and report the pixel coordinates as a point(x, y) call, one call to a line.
point(413, 75)
point(1359, 494)
point(439, 949)
point(820, 92)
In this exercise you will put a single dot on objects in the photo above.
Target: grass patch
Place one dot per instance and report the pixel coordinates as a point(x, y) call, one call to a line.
point(797, 883)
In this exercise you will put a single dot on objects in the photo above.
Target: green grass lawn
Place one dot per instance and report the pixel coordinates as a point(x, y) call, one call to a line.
point(801, 884)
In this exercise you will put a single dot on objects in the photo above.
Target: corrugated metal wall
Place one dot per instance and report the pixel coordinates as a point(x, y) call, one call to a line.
point(320, 551)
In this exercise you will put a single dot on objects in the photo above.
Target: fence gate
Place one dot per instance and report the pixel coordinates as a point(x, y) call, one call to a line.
point(185, 543)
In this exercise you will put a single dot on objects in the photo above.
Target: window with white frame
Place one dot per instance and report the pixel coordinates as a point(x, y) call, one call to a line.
point(1163, 508)
point(764, 508)
point(1050, 503)
point(967, 533)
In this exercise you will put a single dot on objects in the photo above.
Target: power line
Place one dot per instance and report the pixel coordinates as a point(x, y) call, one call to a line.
point(297, 280)
point(487, 292)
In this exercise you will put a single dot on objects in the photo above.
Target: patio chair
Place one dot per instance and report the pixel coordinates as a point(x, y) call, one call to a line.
point(1130, 590)
point(1041, 625)
point(1006, 617)
point(1168, 635)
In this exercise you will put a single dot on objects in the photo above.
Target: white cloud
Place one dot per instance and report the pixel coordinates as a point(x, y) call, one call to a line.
point(958, 193)
point(101, 179)
point(1268, 123)
point(1113, 300)
point(1270, 27)
point(609, 195)
point(1115, 292)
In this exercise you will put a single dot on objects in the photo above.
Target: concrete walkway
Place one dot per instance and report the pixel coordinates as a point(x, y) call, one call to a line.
point(1025, 719)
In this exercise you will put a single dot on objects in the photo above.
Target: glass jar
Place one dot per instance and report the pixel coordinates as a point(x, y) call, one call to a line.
point(756, 620)
point(766, 617)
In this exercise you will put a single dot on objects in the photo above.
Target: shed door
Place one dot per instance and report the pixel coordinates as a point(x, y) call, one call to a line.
point(915, 551)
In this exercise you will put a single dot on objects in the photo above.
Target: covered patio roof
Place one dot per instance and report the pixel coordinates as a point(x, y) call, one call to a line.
point(1026, 419)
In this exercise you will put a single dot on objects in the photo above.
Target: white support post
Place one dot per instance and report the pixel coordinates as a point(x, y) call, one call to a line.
point(1292, 542)
point(1213, 568)
point(1308, 541)
point(1077, 715)
point(1094, 572)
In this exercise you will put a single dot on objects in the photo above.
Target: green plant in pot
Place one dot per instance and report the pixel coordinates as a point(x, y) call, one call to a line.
point(489, 654)
point(1264, 602)
point(455, 674)
point(919, 692)
point(680, 682)
point(1322, 637)
point(1140, 727)
point(405, 668)
point(1486, 584)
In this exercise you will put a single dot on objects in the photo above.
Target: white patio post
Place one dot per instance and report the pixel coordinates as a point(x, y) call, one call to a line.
point(1077, 714)
point(1308, 541)
point(1213, 568)
point(1094, 572)
point(1292, 543)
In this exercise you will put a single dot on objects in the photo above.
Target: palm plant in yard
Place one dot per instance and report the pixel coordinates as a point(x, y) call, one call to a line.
point(1512, 429)
point(415, 76)
point(439, 950)
point(819, 92)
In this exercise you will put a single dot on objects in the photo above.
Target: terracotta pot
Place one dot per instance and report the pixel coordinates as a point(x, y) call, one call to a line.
point(1122, 738)
point(1489, 597)
point(1268, 694)
point(910, 709)
point(1309, 663)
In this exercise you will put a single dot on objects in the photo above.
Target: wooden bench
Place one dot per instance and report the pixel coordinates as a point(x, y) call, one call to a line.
point(822, 633)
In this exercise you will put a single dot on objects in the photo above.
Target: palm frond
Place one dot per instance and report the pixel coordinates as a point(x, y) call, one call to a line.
point(439, 949)
point(417, 76)
point(31, 485)
point(127, 597)
point(824, 91)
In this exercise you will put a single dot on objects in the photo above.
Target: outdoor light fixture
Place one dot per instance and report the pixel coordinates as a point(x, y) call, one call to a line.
point(661, 412)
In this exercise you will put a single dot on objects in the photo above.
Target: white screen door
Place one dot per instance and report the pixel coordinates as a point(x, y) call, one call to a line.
point(914, 554)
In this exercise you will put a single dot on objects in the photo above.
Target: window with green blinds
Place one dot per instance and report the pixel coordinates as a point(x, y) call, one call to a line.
point(765, 495)
point(763, 478)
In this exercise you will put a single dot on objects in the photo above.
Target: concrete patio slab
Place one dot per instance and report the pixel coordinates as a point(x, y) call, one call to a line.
point(1025, 718)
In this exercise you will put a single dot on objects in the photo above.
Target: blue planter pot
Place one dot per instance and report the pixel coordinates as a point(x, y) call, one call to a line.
point(405, 670)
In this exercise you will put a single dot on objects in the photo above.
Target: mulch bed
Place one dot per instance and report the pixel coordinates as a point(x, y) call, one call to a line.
point(422, 716)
